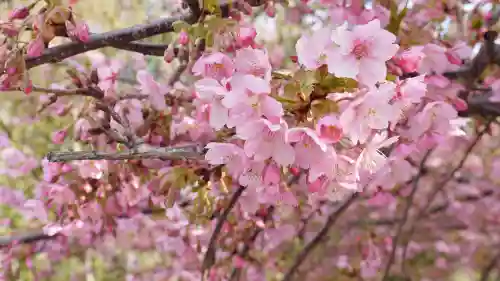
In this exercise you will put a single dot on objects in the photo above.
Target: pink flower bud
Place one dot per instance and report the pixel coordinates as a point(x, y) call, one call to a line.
point(169, 54)
point(9, 30)
point(453, 58)
point(82, 31)
point(19, 13)
point(460, 104)
point(59, 136)
point(183, 38)
point(78, 31)
point(28, 87)
point(270, 10)
point(35, 47)
point(66, 168)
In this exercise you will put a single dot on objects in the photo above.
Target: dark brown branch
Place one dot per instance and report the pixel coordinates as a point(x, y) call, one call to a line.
point(114, 38)
point(142, 152)
point(332, 219)
point(209, 258)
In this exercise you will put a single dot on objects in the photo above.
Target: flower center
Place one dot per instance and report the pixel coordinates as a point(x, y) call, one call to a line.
point(360, 49)
point(330, 131)
point(372, 112)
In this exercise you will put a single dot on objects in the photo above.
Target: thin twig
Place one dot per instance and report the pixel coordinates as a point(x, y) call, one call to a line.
point(409, 203)
point(440, 186)
point(209, 258)
point(332, 218)
point(236, 272)
point(142, 152)
point(486, 272)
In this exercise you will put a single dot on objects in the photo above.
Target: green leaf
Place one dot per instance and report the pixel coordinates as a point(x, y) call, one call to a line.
point(306, 80)
point(180, 25)
point(209, 39)
point(395, 18)
point(331, 83)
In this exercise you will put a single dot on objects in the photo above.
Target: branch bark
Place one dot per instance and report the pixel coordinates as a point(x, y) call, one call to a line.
point(117, 38)
point(209, 258)
point(332, 219)
point(142, 151)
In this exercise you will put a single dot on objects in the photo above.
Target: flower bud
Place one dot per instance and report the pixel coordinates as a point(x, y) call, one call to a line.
point(183, 38)
point(169, 54)
point(19, 13)
point(35, 47)
point(59, 136)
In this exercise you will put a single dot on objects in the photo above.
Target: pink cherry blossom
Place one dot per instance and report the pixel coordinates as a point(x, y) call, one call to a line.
point(371, 159)
point(264, 140)
point(108, 75)
point(362, 52)
point(249, 100)
point(156, 92)
point(329, 129)
point(227, 154)
point(314, 49)
point(434, 60)
point(370, 112)
point(216, 65)
point(312, 153)
point(253, 61)
point(212, 92)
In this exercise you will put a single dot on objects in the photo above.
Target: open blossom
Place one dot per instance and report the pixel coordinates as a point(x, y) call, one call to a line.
point(249, 100)
point(252, 175)
point(312, 153)
point(155, 91)
point(329, 129)
point(108, 75)
point(227, 154)
point(314, 49)
point(409, 92)
point(266, 140)
point(254, 62)
point(362, 52)
point(211, 91)
point(130, 110)
point(370, 112)
point(216, 65)
point(434, 60)
point(371, 159)
point(434, 119)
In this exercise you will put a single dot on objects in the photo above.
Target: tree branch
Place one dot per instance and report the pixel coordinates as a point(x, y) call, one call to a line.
point(332, 218)
point(113, 38)
point(440, 186)
point(209, 258)
point(143, 151)
point(486, 272)
point(406, 212)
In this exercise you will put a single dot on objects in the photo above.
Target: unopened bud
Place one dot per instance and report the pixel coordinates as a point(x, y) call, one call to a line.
point(35, 47)
point(19, 13)
point(169, 54)
point(183, 38)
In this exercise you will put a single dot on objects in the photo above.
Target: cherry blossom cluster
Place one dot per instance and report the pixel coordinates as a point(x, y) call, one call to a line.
point(363, 146)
